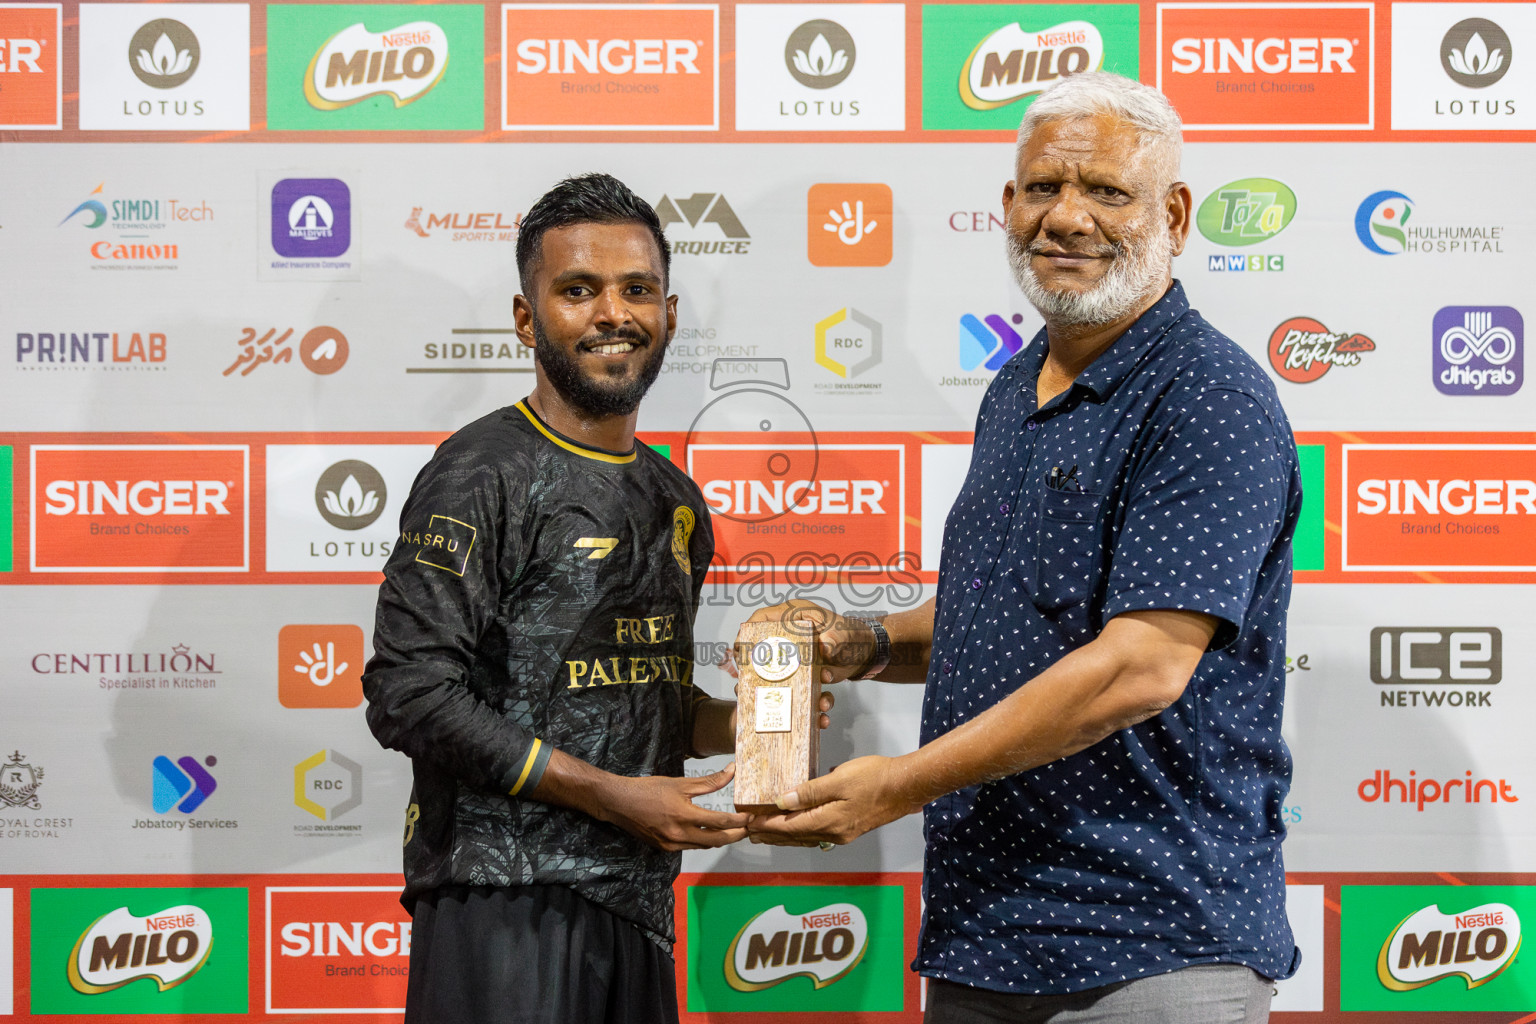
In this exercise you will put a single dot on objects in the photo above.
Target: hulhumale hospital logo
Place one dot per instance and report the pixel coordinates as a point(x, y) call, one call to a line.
point(1380, 222)
point(1387, 224)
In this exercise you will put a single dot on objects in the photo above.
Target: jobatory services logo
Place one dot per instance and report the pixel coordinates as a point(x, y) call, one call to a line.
point(182, 785)
point(328, 784)
point(610, 67)
point(703, 224)
point(1268, 67)
point(981, 60)
point(375, 67)
point(850, 225)
point(1243, 213)
point(848, 345)
point(165, 67)
point(1463, 67)
point(333, 508)
point(989, 341)
point(336, 949)
point(139, 951)
point(1382, 223)
point(1302, 350)
point(320, 666)
point(1478, 350)
point(31, 74)
point(140, 232)
point(140, 508)
point(322, 350)
point(19, 782)
point(820, 67)
point(46, 351)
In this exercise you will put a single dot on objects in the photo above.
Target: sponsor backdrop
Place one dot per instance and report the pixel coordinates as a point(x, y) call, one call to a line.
point(224, 363)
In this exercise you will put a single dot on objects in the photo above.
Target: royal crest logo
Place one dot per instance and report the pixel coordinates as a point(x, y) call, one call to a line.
point(19, 782)
point(1477, 946)
point(682, 532)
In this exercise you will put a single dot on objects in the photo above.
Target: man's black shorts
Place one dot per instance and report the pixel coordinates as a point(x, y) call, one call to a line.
point(536, 954)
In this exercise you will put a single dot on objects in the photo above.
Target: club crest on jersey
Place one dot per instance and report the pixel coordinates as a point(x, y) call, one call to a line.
point(682, 531)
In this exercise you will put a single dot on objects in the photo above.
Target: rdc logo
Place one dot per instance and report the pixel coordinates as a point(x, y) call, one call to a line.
point(1479, 350)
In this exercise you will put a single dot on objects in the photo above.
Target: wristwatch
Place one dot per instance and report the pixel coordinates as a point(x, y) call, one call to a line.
point(882, 654)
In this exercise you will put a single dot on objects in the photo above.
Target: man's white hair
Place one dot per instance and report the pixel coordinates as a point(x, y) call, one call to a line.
point(1159, 132)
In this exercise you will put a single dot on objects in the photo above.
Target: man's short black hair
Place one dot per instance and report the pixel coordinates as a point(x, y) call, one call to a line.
point(586, 199)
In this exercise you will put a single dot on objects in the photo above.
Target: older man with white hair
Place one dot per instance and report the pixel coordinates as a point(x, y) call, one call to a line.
point(1101, 768)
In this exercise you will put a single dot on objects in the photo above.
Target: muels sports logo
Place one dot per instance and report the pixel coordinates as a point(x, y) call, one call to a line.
point(1479, 350)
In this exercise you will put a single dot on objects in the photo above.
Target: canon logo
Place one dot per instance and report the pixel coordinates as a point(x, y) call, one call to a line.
point(1454, 497)
point(802, 497)
point(615, 56)
point(20, 55)
point(332, 938)
point(143, 497)
point(1300, 55)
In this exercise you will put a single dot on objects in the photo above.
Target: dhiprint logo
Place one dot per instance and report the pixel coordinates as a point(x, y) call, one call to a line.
point(311, 217)
point(403, 63)
point(1479, 350)
point(182, 784)
point(350, 495)
point(988, 342)
point(1301, 349)
point(320, 666)
point(31, 77)
point(820, 54)
point(700, 209)
point(1476, 53)
point(1476, 945)
point(164, 53)
point(1380, 221)
point(849, 225)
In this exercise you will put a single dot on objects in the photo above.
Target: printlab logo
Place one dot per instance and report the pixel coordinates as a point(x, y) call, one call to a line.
point(19, 783)
point(1246, 212)
point(323, 350)
point(848, 343)
point(110, 350)
point(351, 495)
point(1381, 220)
point(182, 785)
point(698, 210)
point(320, 666)
point(849, 225)
point(1301, 349)
point(328, 785)
point(820, 54)
point(164, 53)
point(311, 217)
point(989, 342)
point(1475, 53)
point(1479, 350)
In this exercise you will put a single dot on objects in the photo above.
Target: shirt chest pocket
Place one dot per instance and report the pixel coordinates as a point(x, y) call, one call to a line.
point(1068, 555)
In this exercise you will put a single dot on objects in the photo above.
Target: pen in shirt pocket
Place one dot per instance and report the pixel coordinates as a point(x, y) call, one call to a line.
point(1057, 480)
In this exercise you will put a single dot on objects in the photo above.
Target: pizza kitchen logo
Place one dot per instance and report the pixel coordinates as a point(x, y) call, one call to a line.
point(1302, 350)
point(823, 945)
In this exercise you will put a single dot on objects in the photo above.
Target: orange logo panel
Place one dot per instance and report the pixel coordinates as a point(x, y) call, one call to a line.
point(1252, 67)
point(320, 666)
point(139, 509)
point(29, 66)
point(337, 950)
point(788, 506)
point(849, 225)
point(1445, 507)
point(617, 67)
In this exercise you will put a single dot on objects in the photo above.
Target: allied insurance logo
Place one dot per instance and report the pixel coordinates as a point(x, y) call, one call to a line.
point(140, 508)
point(1478, 350)
point(336, 949)
point(31, 74)
point(375, 67)
point(610, 67)
point(1439, 507)
point(1268, 67)
point(311, 217)
point(139, 951)
point(981, 60)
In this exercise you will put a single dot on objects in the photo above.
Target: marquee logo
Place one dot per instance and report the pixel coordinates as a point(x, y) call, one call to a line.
point(823, 945)
point(118, 948)
point(989, 341)
point(820, 54)
point(164, 53)
point(403, 63)
point(336, 949)
point(698, 210)
point(31, 74)
point(139, 508)
point(1301, 349)
point(1476, 945)
point(1479, 350)
point(1010, 63)
point(1476, 53)
point(351, 495)
point(1257, 66)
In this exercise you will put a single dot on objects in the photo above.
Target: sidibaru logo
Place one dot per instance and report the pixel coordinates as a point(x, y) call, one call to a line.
point(849, 225)
point(1268, 67)
point(140, 508)
point(615, 67)
point(31, 75)
point(320, 666)
point(1301, 349)
point(1478, 350)
point(822, 944)
point(1476, 945)
point(402, 63)
point(336, 949)
point(167, 947)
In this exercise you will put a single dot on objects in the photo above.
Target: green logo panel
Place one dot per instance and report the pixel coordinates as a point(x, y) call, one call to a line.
point(1307, 546)
point(983, 64)
point(804, 948)
point(63, 917)
point(7, 508)
point(381, 67)
point(1445, 946)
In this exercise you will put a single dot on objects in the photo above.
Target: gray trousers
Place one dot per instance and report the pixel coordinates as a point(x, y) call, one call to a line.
point(1205, 994)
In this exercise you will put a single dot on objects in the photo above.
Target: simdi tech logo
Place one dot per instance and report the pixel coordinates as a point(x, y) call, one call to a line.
point(336, 949)
point(1463, 66)
point(375, 67)
point(981, 61)
point(1268, 67)
point(1478, 350)
point(610, 67)
point(140, 508)
point(31, 73)
point(163, 951)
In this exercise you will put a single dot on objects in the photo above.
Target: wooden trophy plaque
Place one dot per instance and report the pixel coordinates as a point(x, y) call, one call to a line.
point(778, 697)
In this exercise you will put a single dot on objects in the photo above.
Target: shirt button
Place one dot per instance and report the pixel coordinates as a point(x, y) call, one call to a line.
point(976, 584)
point(949, 667)
point(1031, 424)
point(1003, 508)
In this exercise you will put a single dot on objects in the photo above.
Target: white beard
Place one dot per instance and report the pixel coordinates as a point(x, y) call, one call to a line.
point(1132, 276)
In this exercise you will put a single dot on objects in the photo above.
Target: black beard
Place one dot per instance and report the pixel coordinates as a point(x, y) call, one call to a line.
point(596, 396)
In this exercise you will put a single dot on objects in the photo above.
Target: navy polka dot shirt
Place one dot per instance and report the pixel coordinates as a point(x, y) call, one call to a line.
point(1165, 477)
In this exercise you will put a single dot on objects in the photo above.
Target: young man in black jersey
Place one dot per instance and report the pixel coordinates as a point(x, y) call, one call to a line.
point(534, 655)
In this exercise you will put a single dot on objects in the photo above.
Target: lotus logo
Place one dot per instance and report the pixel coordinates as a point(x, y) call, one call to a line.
point(120, 948)
point(350, 495)
point(163, 53)
point(1380, 220)
point(819, 54)
point(1010, 63)
point(1475, 53)
point(774, 946)
point(1477, 945)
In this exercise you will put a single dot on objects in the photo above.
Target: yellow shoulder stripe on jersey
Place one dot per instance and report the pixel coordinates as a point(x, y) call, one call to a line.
point(533, 755)
point(571, 446)
point(601, 546)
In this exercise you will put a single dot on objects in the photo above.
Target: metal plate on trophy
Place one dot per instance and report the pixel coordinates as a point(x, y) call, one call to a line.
point(777, 700)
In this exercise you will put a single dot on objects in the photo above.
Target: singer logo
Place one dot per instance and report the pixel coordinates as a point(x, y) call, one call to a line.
point(1476, 945)
point(139, 508)
point(616, 67)
point(1429, 507)
point(849, 225)
point(403, 63)
point(342, 949)
point(1259, 66)
point(774, 946)
point(31, 82)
